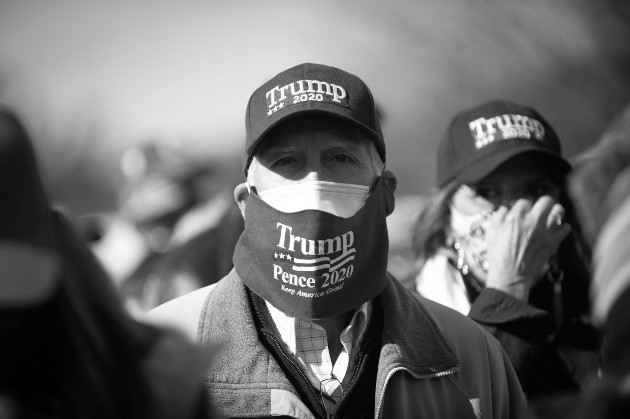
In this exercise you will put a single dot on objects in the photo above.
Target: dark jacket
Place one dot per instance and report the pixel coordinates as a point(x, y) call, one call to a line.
point(549, 353)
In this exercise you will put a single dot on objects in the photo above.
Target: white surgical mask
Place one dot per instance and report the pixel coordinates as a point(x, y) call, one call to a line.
point(340, 199)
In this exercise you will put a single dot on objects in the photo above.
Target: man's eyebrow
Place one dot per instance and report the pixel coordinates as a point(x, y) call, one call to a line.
point(278, 149)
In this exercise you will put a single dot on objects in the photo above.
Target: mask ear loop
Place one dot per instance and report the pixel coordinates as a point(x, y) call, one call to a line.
point(251, 188)
point(373, 187)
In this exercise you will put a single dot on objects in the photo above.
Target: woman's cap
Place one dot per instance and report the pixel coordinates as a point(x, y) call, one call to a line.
point(480, 139)
point(309, 89)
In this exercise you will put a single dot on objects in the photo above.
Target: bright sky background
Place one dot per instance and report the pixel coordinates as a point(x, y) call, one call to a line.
point(93, 78)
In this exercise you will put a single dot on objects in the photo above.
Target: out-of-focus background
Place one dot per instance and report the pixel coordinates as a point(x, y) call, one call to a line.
point(93, 79)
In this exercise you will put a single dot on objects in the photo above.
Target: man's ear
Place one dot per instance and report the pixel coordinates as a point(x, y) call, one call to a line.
point(389, 178)
point(241, 193)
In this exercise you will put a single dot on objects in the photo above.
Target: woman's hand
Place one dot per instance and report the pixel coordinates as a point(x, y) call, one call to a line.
point(521, 240)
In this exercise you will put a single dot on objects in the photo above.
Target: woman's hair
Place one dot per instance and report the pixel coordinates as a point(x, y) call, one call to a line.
point(430, 229)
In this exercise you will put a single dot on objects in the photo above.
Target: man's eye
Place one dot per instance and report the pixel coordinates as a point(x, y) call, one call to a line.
point(343, 158)
point(283, 161)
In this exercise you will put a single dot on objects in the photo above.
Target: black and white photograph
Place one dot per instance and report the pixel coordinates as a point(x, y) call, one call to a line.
point(314, 210)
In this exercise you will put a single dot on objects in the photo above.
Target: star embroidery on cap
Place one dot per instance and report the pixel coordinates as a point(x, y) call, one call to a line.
point(275, 109)
point(275, 255)
point(281, 255)
point(288, 257)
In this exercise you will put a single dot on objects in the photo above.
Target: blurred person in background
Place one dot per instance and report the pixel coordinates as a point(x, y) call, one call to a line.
point(499, 242)
point(188, 228)
point(68, 347)
point(600, 186)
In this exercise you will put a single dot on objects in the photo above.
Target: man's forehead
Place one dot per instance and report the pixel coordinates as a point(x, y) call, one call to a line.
point(291, 144)
point(329, 132)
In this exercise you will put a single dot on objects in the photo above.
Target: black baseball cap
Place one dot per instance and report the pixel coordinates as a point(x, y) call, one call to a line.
point(480, 139)
point(310, 89)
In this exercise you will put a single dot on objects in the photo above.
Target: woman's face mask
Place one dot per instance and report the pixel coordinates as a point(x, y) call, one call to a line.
point(470, 218)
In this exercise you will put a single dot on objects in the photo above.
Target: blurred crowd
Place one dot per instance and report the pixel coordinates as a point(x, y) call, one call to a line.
point(175, 230)
point(74, 290)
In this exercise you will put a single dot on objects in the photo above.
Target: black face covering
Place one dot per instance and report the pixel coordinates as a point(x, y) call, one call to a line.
point(312, 264)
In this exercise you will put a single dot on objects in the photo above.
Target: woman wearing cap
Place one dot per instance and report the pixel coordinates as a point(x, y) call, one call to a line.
point(498, 241)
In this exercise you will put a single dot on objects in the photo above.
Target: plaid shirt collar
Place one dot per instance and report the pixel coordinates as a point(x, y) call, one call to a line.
point(307, 341)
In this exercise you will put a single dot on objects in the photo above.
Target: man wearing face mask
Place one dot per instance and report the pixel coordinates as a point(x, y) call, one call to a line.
point(311, 323)
point(499, 242)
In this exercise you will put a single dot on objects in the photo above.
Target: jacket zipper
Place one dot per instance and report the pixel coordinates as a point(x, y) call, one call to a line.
point(358, 364)
point(310, 386)
point(416, 376)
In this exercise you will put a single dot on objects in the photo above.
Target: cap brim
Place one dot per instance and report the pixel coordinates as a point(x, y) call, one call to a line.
point(28, 274)
point(483, 166)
